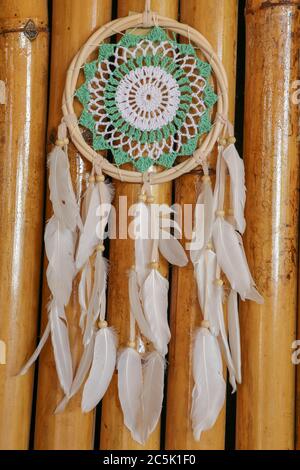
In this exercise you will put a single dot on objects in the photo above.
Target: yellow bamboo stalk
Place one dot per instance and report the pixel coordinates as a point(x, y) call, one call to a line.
point(73, 22)
point(23, 109)
point(114, 435)
point(218, 24)
point(266, 400)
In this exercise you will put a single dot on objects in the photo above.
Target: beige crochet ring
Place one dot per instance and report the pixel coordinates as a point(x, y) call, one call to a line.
point(145, 20)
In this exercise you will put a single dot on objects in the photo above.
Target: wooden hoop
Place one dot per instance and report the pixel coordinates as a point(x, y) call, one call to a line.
point(117, 26)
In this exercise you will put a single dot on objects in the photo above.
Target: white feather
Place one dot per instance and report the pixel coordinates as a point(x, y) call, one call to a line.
point(136, 306)
point(210, 389)
point(205, 273)
point(95, 222)
point(237, 183)
point(232, 260)
point(234, 334)
point(169, 246)
point(154, 294)
point(130, 387)
point(97, 302)
point(223, 339)
point(36, 353)
point(199, 238)
point(59, 245)
point(81, 372)
point(86, 201)
point(143, 244)
point(152, 396)
point(172, 251)
point(62, 195)
point(256, 296)
point(103, 366)
point(61, 346)
point(84, 292)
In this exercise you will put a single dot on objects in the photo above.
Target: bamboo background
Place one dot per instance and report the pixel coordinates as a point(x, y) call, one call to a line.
point(258, 42)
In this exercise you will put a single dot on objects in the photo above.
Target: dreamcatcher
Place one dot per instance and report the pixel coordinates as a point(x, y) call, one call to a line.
point(148, 99)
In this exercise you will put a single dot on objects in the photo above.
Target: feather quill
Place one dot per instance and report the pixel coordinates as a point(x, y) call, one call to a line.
point(234, 334)
point(61, 346)
point(81, 372)
point(95, 222)
point(232, 260)
point(136, 306)
point(210, 389)
point(62, 196)
point(170, 248)
point(102, 369)
point(154, 294)
point(130, 387)
point(203, 227)
point(237, 182)
point(205, 273)
point(59, 245)
point(84, 292)
point(152, 396)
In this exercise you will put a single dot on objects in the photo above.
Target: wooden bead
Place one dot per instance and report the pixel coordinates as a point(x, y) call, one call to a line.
point(92, 179)
point(154, 265)
point(205, 324)
point(150, 200)
point(100, 248)
point(222, 142)
point(100, 178)
point(231, 140)
point(220, 213)
point(131, 344)
point(219, 282)
point(142, 198)
point(103, 324)
point(62, 143)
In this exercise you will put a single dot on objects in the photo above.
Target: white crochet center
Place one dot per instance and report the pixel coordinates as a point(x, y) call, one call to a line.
point(148, 98)
point(135, 106)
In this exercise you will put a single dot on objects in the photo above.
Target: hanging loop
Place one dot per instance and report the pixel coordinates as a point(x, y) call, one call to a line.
point(147, 15)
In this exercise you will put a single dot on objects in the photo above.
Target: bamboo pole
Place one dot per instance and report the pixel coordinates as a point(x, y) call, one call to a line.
point(23, 70)
point(73, 22)
point(218, 24)
point(114, 435)
point(266, 411)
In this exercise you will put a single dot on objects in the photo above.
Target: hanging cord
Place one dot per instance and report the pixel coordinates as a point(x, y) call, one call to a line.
point(149, 17)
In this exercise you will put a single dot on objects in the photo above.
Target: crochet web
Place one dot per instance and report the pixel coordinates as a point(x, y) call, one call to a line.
point(147, 99)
